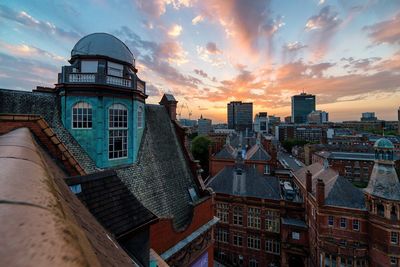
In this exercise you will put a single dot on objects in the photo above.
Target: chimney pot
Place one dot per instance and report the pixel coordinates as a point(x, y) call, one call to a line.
point(309, 181)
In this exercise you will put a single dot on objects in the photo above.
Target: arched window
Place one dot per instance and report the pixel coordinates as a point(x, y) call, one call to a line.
point(140, 117)
point(82, 116)
point(118, 131)
point(381, 210)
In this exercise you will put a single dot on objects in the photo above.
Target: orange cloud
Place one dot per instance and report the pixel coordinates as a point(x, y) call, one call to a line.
point(387, 31)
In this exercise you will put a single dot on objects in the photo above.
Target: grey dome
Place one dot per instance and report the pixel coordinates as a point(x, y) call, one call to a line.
point(103, 44)
point(383, 143)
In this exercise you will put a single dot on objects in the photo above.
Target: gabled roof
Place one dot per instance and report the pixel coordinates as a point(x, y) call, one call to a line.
point(257, 152)
point(110, 201)
point(250, 183)
point(338, 190)
point(227, 152)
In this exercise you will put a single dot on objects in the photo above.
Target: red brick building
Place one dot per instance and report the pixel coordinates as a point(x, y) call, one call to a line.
point(257, 151)
point(356, 167)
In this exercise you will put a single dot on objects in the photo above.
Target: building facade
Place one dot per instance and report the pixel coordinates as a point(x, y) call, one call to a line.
point(261, 123)
point(95, 124)
point(302, 105)
point(317, 117)
point(204, 126)
point(240, 116)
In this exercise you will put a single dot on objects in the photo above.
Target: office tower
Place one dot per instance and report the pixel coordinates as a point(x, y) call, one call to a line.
point(204, 126)
point(302, 105)
point(240, 115)
point(368, 116)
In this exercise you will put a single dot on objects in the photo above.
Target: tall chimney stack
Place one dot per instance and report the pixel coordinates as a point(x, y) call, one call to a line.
point(320, 192)
point(170, 103)
point(309, 181)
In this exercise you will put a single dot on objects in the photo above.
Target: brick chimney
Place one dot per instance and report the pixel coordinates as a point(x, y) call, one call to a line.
point(309, 181)
point(320, 192)
point(170, 103)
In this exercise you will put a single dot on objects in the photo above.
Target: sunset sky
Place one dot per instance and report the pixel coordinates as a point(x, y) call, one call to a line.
point(210, 52)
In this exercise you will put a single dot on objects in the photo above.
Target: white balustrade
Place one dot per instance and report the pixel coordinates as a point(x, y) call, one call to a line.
point(118, 81)
point(82, 78)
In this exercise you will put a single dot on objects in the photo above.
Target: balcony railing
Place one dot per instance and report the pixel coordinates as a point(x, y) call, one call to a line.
point(118, 81)
point(67, 76)
point(82, 78)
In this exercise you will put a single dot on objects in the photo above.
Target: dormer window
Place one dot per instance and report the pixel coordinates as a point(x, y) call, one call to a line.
point(114, 69)
point(89, 66)
point(118, 131)
point(82, 116)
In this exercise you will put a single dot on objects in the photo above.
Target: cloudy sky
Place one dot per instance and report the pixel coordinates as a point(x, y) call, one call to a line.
point(210, 52)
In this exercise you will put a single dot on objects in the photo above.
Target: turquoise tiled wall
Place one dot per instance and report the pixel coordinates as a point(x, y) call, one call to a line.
point(95, 140)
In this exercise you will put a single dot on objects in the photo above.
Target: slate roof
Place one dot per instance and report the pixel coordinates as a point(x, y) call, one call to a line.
point(250, 184)
point(338, 190)
point(384, 182)
point(110, 201)
point(169, 97)
point(257, 152)
point(161, 177)
point(227, 152)
point(347, 155)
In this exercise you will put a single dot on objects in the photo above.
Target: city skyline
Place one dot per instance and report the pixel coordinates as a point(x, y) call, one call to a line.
point(209, 53)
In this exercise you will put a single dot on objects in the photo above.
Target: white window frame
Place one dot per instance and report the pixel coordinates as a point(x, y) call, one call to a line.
point(223, 212)
point(273, 246)
point(254, 242)
point(85, 109)
point(356, 225)
point(253, 263)
point(267, 169)
point(118, 128)
point(394, 238)
point(343, 220)
point(236, 238)
point(238, 215)
point(115, 69)
point(140, 117)
point(295, 235)
point(222, 235)
point(254, 218)
point(272, 221)
point(331, 221)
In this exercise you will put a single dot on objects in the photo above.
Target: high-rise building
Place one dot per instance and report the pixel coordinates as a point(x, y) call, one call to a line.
point(204, 126)
point(261, 123)
point(240, 115)
point(302, 105)
point(317, 116)
point(368, 116)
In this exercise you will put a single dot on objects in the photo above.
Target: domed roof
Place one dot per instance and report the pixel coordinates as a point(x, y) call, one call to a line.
point(383, 143)
point(103, 44)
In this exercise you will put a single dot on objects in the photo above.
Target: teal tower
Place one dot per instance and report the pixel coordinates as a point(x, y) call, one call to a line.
point(102, 100)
